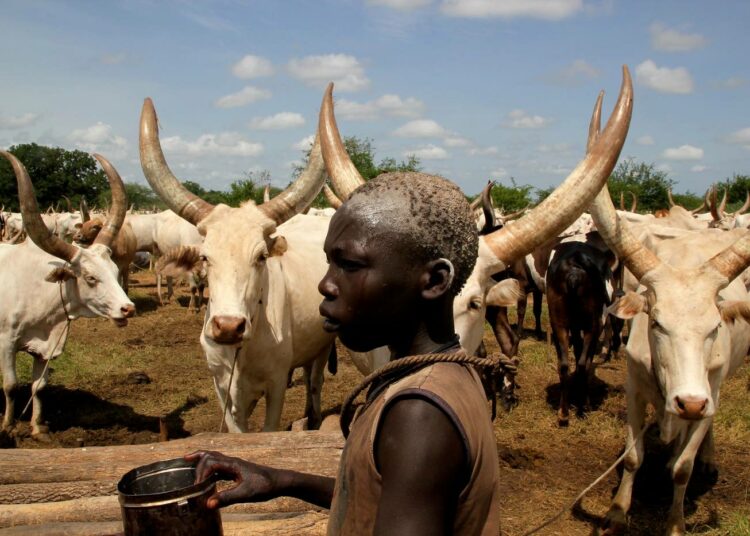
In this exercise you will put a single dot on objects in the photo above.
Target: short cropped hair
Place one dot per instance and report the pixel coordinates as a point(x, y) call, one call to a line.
point(430, 214)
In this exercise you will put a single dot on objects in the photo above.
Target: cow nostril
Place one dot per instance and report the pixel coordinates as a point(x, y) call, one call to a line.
point(240, 326)
point(127, 310)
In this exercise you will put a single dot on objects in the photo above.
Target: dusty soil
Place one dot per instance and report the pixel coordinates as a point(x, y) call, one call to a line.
point(114, 386)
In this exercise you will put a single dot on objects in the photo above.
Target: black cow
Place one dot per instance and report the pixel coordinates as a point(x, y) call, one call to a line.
point(577, 295)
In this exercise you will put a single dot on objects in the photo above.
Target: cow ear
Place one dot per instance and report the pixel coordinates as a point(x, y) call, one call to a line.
point(277, 246)
point(60, 274)
point(733, 310)
point(629, 305)
point(506, 293)
point(178, 261)
point(78, 225)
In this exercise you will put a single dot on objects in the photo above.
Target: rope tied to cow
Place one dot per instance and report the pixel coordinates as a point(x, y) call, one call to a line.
point(64, 333)
point(229, 387)
point(398, 368)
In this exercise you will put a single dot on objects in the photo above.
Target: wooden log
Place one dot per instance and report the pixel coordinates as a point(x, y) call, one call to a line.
point(107, 508)
point(312, 452)
point(55, 491)
point(303, 524)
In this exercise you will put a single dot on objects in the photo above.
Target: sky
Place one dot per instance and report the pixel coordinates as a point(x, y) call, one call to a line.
point(476, 89)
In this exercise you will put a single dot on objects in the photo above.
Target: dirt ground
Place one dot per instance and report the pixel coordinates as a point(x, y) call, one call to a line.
point(114, 386)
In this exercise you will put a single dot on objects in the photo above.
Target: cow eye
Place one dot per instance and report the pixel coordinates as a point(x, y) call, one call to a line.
point(475, 305)
point(655, 325)
point(91, 280)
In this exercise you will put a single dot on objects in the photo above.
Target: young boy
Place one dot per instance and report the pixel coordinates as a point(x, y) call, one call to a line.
point(421, 458)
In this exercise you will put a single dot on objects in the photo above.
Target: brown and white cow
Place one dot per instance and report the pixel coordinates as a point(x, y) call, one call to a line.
point(47, 281)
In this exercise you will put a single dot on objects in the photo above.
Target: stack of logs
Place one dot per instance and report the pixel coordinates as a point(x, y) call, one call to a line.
point(73, 492)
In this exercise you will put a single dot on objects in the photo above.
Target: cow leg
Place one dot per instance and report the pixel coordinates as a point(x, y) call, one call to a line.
point(158, 289)
point(10, 384)
point(560, 340)
point(125, 276)
point(275, 391)
point(170, 288)
point(586, 362)
point(538, 296)
point(681, 471)
point(616, 521)
point(314, 386)
point(521, 314)
point(707, 465)
point(40, 374)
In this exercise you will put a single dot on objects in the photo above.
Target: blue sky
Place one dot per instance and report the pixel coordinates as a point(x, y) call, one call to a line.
point(477, 89)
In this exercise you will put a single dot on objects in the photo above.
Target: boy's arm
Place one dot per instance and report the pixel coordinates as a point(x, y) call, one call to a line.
point(422, 460)
point(255, 483)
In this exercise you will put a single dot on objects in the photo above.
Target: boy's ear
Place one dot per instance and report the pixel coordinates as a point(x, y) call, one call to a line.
point(438, 278)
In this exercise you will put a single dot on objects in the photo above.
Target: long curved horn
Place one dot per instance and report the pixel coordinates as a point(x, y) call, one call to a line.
point(181, 201)
point(712, 205)
point(732, 261)
point(490, 221)
point(697, 210)
point(475, 204)
point(266, 193)
point(723, 206)
point(622, 200)
point(32, 220)
point(634, 203)
point(744, 207)
point(301, 193)
point(331, 197)
point(85, 216)
point(67, 201)
point(516, 214)
point(565, 204)
point(671, 199)
point(119, 204)
point(615, 231)
point(344, 175)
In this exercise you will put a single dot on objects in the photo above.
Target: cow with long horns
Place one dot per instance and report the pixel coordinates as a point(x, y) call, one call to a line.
point(689, 332)
point(67, 282)
point(264, 264)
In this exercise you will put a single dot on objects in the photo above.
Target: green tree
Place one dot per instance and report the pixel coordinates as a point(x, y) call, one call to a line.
point(649, 184)
point(55, 172)
point(737, 188)
point(511, 198)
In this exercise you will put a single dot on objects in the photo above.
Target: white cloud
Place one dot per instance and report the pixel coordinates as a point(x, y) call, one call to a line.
point(483, 151)
point(246, 95)
point(698, 169)
point(305, 143)
point(670, 40)
point(520, 119)
point(401, 5)
point(733, 82)
point(390, 105)
point(278, 121)
point(574, 74)
point(666, 168)
point(421, 128)
point(645, 140)
point(427, 152)
point(740, 137)
point(343, 70)
point(683, 152)
point(222, 144)
point(499, 173)
point(113, 59)
point(457, 141)
point(664, 79)
point(99, 138)
point(252, 67)
point(539, 9)
point(18, 121)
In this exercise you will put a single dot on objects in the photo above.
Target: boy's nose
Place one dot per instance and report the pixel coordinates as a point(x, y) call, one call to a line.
point(327, 288)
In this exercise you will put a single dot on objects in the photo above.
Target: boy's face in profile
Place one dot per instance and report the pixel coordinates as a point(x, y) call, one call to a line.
point(371, 289)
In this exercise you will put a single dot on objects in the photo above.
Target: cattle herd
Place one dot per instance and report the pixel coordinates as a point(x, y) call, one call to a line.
point(679, 281)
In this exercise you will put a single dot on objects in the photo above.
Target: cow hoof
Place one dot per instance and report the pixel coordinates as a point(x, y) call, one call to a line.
point(41, 437)
point(562, 422)
point(615, 523)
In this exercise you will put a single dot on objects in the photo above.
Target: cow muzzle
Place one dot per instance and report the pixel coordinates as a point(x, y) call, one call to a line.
point(227, 329)
point(692, 408)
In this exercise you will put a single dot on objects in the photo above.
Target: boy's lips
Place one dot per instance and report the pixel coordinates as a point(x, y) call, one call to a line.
point(330, 324)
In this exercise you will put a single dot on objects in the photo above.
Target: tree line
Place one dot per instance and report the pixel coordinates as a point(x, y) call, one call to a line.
point(59, 173)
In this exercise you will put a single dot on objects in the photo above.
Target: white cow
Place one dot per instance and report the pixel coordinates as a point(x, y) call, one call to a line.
point(263, 270)
point(47, 281)
point(689, 332)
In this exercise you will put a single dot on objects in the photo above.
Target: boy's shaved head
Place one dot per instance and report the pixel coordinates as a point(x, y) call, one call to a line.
point(425, 216)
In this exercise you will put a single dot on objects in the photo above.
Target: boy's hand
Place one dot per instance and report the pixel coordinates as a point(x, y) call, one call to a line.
point(254, 482)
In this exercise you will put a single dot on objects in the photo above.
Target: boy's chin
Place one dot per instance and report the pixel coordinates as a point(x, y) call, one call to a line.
point(358, 344)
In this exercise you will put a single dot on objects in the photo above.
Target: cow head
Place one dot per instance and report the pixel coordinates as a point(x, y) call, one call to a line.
point(96, 291)
point(87, 231)
point(687, 338)
point(238, 241)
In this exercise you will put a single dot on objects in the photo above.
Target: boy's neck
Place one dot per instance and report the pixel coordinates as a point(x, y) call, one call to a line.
point(425, 341)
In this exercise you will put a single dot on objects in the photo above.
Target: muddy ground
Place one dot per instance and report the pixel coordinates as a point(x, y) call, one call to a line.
point(113, 386)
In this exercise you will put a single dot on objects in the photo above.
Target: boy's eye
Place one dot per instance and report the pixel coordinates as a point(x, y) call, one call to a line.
point(349, 265)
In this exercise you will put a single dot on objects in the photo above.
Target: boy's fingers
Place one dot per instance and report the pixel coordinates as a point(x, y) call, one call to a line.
point(230, 496)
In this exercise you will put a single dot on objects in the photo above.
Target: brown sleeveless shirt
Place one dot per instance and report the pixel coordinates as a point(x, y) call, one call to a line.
point(454, 388)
